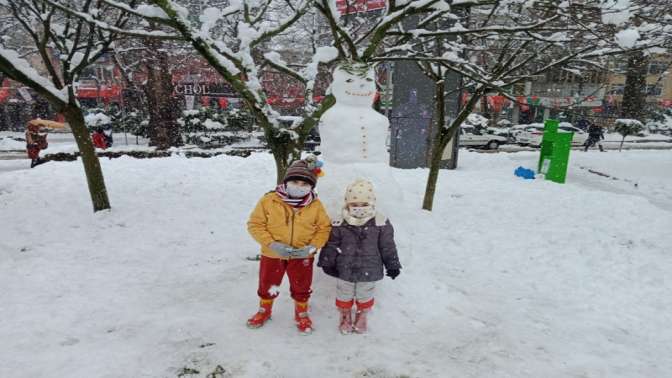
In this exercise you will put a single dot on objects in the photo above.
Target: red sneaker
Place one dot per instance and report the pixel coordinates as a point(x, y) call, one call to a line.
point(303, 322)
point(263, 314)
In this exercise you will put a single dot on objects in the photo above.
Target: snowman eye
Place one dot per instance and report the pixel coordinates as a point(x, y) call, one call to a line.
point(349, 81)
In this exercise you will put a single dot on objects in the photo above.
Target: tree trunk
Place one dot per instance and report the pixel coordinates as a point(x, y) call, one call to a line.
point(433, 178)
point(621, 146)
point(634, 96)
point(442, 138)
point(163, 130)
point(94, 175)
point(284, 153)
point(437, 147)
point(281, 165)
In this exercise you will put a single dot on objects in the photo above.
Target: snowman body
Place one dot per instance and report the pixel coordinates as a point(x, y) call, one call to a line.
point(351, 131)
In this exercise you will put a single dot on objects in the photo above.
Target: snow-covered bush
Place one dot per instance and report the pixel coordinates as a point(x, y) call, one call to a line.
point(627, 127)
point(96, 118)
point(660, 122)
point(133, 122)
point(210, 128)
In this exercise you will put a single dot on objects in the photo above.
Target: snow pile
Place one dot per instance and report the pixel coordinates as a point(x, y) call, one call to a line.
point(627, 38)
point(506, 278)
point(616, 12)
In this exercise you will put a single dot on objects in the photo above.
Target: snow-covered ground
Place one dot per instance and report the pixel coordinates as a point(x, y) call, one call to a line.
point(505, 278)
point(649, 138)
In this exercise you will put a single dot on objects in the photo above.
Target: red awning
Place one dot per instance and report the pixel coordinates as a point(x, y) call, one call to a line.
point(106, 92)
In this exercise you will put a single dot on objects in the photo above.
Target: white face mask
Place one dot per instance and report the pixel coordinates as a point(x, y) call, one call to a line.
point(296, 191)
point(361, 211)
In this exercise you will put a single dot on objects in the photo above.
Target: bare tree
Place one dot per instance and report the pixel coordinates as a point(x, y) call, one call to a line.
point(495, 45)
point(243, 39)
point(651, 14)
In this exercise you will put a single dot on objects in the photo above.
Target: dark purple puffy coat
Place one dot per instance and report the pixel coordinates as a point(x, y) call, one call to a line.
point(359, 253)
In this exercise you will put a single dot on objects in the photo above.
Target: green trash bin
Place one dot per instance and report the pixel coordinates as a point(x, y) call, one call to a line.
point(554, 156)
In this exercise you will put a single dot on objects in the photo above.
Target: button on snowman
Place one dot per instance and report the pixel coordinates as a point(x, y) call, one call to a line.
point(351, 131)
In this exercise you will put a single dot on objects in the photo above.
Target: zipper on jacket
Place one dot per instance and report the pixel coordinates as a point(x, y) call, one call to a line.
point(291, 233)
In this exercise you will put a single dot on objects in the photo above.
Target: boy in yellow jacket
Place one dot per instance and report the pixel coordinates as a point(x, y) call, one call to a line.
point(291, 224)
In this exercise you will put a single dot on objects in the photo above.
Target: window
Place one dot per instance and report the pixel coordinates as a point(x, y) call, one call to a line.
point(617, 89)
point(657, 68)
point(654, 90)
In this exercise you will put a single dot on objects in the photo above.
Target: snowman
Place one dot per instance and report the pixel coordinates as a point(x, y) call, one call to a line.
point(351, 131)
point(353, 137)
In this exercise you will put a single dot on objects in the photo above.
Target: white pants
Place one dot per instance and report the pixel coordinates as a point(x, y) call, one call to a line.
point(360, 291)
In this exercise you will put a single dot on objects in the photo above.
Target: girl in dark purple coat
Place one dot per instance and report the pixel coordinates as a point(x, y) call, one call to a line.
point(360, 247)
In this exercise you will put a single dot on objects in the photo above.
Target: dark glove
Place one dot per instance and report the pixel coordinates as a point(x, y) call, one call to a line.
point(330, 270)
point(393, 273)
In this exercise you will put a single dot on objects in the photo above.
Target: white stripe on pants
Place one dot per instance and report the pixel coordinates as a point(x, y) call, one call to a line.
point(361, 291)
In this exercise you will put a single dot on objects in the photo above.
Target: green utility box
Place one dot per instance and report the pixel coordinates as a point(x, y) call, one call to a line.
point(555, 148)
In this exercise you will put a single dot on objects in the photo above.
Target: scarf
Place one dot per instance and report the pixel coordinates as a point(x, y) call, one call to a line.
point(281, 191)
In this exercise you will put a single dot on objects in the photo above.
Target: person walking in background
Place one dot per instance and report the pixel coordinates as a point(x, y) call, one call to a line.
point(360, 245)
point(595, 136)
point(35, 142)
point(291, 224)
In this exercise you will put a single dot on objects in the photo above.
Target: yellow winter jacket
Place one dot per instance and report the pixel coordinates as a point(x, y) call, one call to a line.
point(274, 220)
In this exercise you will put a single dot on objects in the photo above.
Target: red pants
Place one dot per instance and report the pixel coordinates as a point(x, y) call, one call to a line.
point(33, 153)
point(299, 271)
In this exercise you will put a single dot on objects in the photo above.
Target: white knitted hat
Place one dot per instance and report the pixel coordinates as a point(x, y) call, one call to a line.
point(360, 191)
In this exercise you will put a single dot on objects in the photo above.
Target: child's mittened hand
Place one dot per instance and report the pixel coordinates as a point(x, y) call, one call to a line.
point(330, 270)
point(304, 251)
point(393, 273)
point(281, 249)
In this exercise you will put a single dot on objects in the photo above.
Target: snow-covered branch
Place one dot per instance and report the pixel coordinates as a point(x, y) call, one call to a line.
point(90, 18)
point(21, 71)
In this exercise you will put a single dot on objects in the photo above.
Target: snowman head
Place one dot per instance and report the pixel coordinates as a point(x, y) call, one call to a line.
point(354, 84)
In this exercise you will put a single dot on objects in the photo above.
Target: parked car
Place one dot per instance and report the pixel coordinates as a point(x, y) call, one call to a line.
point(533, 134)
point(470, 137)
point(502, 132)
point(515, 130)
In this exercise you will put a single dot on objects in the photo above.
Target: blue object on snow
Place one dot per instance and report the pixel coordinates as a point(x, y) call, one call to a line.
point(525, 173)
point(319, 163)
